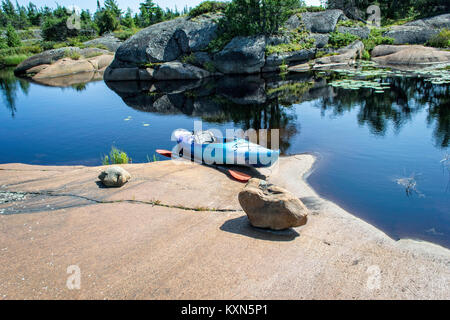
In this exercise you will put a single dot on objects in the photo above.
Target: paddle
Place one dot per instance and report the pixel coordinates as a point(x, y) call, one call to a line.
point(239, 176)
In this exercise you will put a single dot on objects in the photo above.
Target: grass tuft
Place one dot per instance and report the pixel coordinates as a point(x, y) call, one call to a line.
point(116, 156)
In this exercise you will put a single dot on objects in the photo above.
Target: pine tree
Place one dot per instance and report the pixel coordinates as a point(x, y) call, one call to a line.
point(12, 38)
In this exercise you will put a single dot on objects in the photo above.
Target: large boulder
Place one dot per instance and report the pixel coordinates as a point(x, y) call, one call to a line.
point(114, 177)
point(269, 206)
point(322, 21)
point(274, 61)
point(437, 22)
point(411, 34)
point(166, 41)
point(321, 39)
point(179, 71)
point(243, 55)
point(294, 22)
point(361, 32)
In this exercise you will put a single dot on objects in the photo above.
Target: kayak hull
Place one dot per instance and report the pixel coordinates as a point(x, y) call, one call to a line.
point(238, 152)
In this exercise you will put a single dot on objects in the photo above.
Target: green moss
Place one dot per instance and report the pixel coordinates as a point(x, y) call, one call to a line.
point(376, 38)
point(299, 40)
point(72, 55)
point(321, 54)
point(441, 40)
point(189, 59)
point(366, 55)
point(125, 34)
point(340, 40)
point(151, 65)
point(209, 66)
point(350, 23)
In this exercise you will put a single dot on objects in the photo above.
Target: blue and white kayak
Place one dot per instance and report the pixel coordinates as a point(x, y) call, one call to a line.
point(205, 148)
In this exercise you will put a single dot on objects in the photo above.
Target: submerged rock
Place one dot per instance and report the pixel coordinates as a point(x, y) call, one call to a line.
point(114, 176)
point(269, 206)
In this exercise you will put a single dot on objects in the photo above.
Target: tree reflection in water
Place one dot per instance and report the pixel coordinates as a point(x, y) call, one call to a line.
point(9, 85)
point(406, 97)
point(256, 102)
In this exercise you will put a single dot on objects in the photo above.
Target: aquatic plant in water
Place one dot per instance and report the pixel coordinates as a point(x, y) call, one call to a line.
point(410, 185)
point(351, 84)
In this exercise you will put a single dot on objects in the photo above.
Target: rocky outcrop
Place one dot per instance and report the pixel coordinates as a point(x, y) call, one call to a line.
point(361, 32)
point(321, 39)
point(345, 55)
point(418, 31)
point(51, 56)
point(269, 206)
point(185, 40)
point(438, 22)
point(108, 41)
point(274, 61)
point(323, 21)
point(411, 34)
point(67, 66)
point(114, 177)
point(166, 41)
point(243, 55)
point(410, 55)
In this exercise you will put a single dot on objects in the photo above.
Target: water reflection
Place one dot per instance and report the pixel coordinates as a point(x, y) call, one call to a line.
point(263, 102)
point(9, 86)
point(251, 102)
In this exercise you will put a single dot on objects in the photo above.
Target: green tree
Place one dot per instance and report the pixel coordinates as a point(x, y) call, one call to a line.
point(22, 21)
point(12, 38)
point(33, 14)
point(106, 21)
point(127, 20)
point(150, 14)
point(250, 17)
point(111, 5)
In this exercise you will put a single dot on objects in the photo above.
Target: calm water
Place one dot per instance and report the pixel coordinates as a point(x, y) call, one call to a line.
point(365, 141)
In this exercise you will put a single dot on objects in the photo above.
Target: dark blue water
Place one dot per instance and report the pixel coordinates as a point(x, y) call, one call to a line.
point(366, 142)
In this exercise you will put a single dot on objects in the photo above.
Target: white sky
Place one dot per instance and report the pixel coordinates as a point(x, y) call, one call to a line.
point(123, 4)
